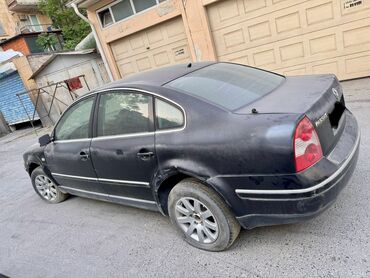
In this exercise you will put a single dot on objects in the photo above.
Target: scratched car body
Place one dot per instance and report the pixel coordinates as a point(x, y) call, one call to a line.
point(216, 146)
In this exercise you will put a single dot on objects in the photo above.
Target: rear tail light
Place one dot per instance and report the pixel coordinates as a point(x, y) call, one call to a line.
point(307, 147)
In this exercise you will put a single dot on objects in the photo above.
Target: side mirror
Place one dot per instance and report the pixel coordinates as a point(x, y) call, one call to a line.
point(44, 140)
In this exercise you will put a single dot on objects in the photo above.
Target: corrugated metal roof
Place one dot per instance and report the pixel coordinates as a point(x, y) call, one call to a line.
point(6, 69)
point(6, 56)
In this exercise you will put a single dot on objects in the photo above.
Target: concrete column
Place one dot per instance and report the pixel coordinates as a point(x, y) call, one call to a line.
point(4, 128)
point(198, 31)
point(105, 46)
point(25, 72)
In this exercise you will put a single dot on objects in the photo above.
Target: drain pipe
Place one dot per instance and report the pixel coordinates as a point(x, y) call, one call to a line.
point(98, 44)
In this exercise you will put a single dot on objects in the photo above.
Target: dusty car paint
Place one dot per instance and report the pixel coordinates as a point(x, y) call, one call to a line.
point(234, 152)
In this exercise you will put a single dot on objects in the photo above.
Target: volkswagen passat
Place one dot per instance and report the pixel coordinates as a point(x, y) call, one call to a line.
point(216, 146)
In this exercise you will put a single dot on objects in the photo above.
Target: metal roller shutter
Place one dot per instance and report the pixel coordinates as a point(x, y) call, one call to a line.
point(10, 105)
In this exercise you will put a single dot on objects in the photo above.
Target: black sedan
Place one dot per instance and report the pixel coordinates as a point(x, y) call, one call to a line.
point(215, 146)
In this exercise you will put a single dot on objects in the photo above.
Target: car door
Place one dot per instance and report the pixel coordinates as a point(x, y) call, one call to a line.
point(68, 156)
point(122, 149)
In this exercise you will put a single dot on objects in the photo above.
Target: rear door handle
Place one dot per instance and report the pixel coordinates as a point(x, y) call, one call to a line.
point(84, 156)
point(145, 154)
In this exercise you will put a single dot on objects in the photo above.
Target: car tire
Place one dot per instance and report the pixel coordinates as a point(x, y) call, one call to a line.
point(201, 216)
point(46, 188)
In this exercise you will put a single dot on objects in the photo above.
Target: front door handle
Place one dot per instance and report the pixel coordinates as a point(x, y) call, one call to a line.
point(84, 156)
point(145, 154)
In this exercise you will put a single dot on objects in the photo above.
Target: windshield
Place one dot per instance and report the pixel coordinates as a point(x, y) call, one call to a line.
point(231, 86)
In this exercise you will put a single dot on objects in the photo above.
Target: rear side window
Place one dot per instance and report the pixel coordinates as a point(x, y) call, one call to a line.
point(123, 113)
point(230, 86)
point(167, 115)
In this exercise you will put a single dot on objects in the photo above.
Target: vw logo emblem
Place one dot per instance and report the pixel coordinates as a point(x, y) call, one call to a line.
point(336, 94)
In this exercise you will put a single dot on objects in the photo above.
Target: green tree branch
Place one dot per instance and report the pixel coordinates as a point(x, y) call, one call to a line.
point(74, 29)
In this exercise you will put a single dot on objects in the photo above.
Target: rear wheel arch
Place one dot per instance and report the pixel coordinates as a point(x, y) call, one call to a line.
point(164, 188)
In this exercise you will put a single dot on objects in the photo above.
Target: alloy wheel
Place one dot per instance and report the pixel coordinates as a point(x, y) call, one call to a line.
point(46, 187)
point(196, 220)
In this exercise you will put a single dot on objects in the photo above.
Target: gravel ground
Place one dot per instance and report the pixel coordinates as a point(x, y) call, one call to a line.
point(87, 238)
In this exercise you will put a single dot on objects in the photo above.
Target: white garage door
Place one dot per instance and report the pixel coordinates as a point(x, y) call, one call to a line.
point(158, 46)
point(294, 36)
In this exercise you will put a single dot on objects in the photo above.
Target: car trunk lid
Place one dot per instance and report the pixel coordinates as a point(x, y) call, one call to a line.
point(319, 97)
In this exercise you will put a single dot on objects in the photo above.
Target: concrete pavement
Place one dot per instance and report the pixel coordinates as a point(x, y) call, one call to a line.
point(87, 238)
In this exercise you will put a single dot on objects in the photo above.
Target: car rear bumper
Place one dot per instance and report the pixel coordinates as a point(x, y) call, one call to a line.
point(272, 207)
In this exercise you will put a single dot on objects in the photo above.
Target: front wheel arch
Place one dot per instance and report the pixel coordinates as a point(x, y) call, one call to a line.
point(45, 187)
point(32, 167)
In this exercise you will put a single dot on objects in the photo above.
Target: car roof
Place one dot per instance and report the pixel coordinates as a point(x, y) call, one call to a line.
point(157, 77)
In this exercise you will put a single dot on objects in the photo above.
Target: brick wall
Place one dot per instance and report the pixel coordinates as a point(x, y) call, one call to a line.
point(17, 44)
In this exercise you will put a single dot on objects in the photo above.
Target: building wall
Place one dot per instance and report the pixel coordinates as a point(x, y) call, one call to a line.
point(44, 21)
point(68, 66)
point(25, 72)
point(18, 44)
point(65, 67)
point(36, 60)
point(61, 68)
point(12, 23)
point(7, 21)
point(287, 36)
point(195, 26)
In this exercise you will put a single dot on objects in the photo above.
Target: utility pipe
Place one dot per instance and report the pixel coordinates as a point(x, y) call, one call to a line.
point(98, 44)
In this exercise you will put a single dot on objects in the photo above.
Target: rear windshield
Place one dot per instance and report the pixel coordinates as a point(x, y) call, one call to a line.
point(231, 86)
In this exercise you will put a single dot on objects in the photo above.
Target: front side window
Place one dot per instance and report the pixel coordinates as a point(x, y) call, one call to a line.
point(123, 113)
point(168, 116)
point(74, 123)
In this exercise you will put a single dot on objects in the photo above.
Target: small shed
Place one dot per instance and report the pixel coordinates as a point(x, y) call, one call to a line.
point(86, 64)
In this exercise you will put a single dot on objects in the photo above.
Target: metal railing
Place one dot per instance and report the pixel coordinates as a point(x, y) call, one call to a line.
point(22, 2)
point(36, 28)
point(40, 110)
